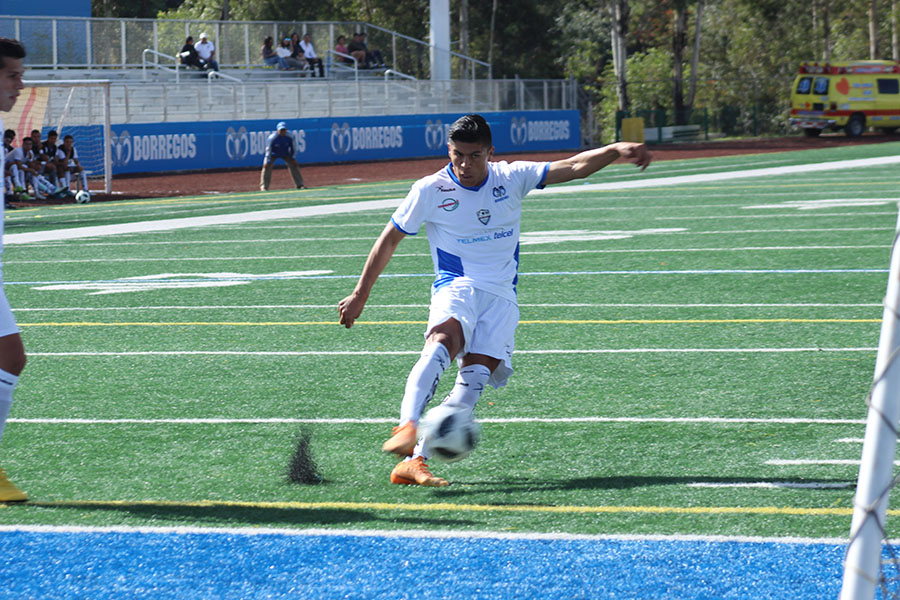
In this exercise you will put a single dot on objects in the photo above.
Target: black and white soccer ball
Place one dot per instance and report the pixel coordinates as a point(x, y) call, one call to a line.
point(450, 431)
point(82, 197)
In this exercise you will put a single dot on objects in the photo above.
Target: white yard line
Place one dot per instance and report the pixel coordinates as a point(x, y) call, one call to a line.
point(381, 420)
point(168, 259)
point(349, 207)
point(409, 533)
point(774, 485)
point(814, 462)
point(423, 306)
point(419, 351)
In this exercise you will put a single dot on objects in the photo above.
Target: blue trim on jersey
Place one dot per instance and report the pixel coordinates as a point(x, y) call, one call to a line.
point(541, 185)
point(465, 187)
point(449, 267)
point(516, 278)
point(400, 229)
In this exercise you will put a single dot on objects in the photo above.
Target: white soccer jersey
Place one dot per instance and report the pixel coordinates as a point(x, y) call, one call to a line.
point(19, 155)
point(473, 232)
point(61, 155)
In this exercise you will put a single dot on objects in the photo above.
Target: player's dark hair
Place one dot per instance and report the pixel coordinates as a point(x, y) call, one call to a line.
point(68, 137)
point(9, 133)
point(471, 129)
point(10, 48)
point(52, 132)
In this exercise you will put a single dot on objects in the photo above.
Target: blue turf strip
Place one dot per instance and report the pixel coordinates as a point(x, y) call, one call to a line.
point(100, 565)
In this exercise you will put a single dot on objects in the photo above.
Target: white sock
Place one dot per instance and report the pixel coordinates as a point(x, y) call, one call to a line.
point(470, 382)
point(84, 181)
point(8, 383)
point(422, 381)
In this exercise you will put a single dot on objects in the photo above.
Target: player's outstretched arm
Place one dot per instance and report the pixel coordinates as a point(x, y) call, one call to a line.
point(590, 161)
point(352, 306)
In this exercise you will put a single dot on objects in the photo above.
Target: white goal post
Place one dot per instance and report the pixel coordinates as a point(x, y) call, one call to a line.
point(80, 108)
point(862, 563)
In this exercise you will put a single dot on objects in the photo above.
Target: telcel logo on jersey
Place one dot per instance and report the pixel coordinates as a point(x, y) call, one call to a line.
point(450, 204)
point(499, 193)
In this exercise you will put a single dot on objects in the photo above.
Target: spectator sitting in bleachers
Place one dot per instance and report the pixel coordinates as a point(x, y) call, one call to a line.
point(373, 57)
point(357, 49)
point(207, 51)
point(310, 53)
point(286, 52)
point(341, 48)
point(270, 57)
point(188, 55)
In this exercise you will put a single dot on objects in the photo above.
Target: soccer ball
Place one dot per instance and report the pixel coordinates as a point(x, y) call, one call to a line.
point(450, 432)
point(82, 197)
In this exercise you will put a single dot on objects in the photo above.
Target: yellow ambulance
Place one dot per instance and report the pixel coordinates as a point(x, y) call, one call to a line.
point(850, 95)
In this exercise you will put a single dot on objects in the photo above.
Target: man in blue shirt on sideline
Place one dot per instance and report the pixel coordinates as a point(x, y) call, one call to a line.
point(280, 144)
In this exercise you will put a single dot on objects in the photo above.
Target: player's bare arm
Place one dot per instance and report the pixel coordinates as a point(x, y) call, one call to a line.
point(590, 161)
point(352, 306)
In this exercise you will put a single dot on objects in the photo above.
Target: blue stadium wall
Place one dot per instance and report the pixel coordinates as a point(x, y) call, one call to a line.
point(161, 147)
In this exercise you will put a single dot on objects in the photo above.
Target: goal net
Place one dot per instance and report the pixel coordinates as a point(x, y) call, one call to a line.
point(76, 108)
point(872, 560)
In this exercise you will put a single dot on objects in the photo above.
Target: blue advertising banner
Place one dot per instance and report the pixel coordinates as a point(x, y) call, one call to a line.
point(160, 147)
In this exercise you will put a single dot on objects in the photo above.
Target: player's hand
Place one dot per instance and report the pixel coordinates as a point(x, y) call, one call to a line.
point(635, 153)
point(350, 308)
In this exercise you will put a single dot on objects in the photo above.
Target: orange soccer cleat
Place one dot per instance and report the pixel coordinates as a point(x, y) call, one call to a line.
point(415, 472)
point(403, 440)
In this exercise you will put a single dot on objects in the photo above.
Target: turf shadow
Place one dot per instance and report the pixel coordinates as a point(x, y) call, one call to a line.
point(227, 515)
point(518, 486)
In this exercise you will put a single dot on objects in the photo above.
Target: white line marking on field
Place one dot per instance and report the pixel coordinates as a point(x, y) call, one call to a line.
point(349, 207)
point(382, 420)
point(550, 238)
point(522, 305)
point(368, 239)
point(775, 485)
point(409, 533)
point(775, 216)
point(827, 203)
point(417, 352)
point(171, 281)
point(719, 177)
point(581, 235)
point(183, 223)
point(849, 441)
point(813, 462)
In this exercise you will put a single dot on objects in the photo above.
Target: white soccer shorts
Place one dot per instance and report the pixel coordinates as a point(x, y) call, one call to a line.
point(488, 323)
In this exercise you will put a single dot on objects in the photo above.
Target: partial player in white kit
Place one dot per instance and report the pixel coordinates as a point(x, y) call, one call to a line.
point(12, 352)
point(472, 212)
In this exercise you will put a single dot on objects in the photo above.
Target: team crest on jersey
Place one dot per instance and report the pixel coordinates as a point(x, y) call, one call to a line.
point(450, 204)
point(484, 215)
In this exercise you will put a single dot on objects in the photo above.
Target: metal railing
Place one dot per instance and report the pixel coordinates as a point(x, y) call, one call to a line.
point(223, 98)
point(106, 43)
point(156, 65)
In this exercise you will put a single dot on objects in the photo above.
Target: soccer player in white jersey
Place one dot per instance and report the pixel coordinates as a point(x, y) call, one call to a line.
point(471, 210)
point(12, 352)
